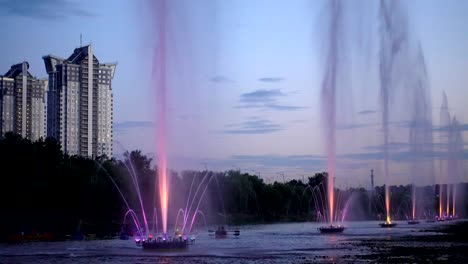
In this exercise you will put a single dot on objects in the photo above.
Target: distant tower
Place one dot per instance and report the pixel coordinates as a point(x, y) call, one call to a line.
point(372, 179)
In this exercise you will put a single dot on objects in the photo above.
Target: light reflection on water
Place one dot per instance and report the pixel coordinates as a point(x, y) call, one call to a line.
point(274, 243)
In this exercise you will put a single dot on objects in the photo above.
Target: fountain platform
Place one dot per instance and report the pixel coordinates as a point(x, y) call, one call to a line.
point(388, 224)
point(331, 229)
point(413, 222)
point(164, 244)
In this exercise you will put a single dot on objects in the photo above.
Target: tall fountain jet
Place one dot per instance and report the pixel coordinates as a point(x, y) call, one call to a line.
point(393, 40)
point(455, 163)
point(160, 66)
point(329, 87)
point(443, 167)
point(403, 71)
point(420, 136)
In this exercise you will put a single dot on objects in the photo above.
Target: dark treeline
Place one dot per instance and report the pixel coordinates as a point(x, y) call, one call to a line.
point(44, 190)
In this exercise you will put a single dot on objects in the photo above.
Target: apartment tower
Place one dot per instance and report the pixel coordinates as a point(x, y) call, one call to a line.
point(80, 103)
point(22, 103)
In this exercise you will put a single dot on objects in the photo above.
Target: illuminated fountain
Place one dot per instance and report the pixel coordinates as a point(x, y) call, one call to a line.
point(421, 129)
point(404, 82)
point(391, 40)
point(160, 75)
point(329, 89)
point(451, 162)
point(332, 218)
point(152, 238)
point(413, 220)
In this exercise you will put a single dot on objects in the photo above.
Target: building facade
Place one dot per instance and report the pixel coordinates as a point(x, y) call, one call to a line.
point(80, 103)
point(22, 103)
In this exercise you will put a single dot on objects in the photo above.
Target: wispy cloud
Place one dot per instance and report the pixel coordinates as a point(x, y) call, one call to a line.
point(221, 79)
point(271, 79)
point(43, 9)
point(132, 124)
point(354, 126)
point(283, 107)
point(266, 100)
point(367, 112)
point(392, 146)
point(299, 161)
point(402, 155)
point(253, 126)
point(261, 96)
point(462, 127)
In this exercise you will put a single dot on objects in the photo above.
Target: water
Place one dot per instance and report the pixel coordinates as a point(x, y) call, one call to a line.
point(274, 243)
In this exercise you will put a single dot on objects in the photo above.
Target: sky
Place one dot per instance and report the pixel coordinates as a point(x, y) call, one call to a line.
point(244, 78)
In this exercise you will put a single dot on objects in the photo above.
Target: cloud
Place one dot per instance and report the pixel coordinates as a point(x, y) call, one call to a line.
point(367, 112)
point(298, 161)
point(283, 107)
point(221, 79)
point(253, 126)
point(119, 126)
point(266, 100)
point(391, 146)
point(43, 9)
point(462, 127)
point(364, 156)
point(402, 156)
point(261, 96)
point(354, 126)
point(271, 79)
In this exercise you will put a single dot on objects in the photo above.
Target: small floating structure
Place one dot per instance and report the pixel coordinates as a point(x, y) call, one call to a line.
point(164, 243)
point(331, 229)
point(413, 222)
point(388, 224)
point(222, 232)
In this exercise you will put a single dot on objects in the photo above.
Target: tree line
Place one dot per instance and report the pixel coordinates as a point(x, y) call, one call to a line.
point(46, 190)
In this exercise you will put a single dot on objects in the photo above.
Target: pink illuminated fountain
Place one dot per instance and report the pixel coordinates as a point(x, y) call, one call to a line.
point(329, 87)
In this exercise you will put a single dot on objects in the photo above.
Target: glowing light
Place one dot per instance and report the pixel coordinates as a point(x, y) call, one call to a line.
point(331, 201)
point(163, 193)
point(454, 194)
point(160, 65)
point(441, 204)
point(387, 202)
point(414, 202)
point(448, 200)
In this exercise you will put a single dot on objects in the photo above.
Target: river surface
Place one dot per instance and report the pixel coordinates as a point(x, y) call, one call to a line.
point(272, 243)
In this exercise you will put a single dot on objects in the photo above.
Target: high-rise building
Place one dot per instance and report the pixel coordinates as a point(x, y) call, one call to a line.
point(80, 103)
point(22, 103)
